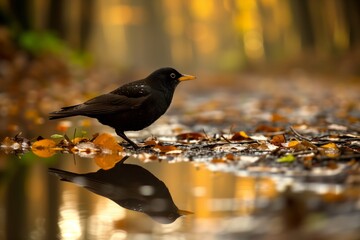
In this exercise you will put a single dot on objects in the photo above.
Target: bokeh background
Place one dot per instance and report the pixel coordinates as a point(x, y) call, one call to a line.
point(222, 35)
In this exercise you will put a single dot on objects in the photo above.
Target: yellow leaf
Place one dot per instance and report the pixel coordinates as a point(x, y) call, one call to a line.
point(329, 145)
point(44, 148)
point(330, 150)
point(293, 143)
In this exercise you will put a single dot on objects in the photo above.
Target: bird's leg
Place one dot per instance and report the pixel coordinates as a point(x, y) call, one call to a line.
point(123, 136)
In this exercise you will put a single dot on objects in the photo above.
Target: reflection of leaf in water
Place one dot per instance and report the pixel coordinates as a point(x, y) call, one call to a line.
point(107, 161)
point(44, 148)
point(107, 142)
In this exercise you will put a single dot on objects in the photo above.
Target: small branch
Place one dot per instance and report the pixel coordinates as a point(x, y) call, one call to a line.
point(299, 135)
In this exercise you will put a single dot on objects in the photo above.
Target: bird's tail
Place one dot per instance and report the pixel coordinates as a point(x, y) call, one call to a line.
point(64, 112)
point(64, 175)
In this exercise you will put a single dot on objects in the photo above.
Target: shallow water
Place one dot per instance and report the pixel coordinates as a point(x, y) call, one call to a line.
point(36, 205)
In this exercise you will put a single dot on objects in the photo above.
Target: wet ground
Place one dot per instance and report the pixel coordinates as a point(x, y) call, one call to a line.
point(259, 159)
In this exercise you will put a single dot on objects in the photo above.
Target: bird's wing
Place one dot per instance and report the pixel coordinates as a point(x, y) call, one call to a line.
point(110, 103)
point(134, 89)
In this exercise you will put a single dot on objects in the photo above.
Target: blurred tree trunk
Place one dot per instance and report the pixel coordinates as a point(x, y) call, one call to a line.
point(303, 22)
point(155, 39)
point(86, 23)
point(55, 20)
point(352, 18)
point(21, 9)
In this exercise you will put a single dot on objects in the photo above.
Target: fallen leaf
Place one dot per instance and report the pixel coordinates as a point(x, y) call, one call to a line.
point(266, 128)
point(107, 142)
point(239, 136)
point(286, 159)
point(190, 136)
point(44, 148)
point(165, 149)
point(330, 150)
point(293, 143)
point(57, 136)
point(277, 140)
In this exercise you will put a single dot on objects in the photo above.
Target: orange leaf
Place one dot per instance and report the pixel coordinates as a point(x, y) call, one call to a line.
point(44, 148)
point(107, 141)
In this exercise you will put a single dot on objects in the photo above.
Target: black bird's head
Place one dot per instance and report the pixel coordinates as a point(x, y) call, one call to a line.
point(167, 78)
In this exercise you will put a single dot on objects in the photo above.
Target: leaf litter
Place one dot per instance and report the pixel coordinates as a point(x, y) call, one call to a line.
point(297, 133)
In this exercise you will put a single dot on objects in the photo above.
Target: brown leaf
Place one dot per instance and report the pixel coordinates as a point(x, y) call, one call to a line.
point(267, 128)
point(278, 118)
point(165, 149)
point(277, 140)
point(191, 136)
point(239, 136)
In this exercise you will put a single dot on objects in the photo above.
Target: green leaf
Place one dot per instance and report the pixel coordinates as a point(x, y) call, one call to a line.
point(57, 136)
point(286, 159)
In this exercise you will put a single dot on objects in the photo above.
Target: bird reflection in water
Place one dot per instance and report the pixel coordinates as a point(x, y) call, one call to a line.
point(131, 186)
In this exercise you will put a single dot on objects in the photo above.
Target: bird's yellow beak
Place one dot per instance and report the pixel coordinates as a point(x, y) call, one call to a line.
point(184, 212)
point(186, 78)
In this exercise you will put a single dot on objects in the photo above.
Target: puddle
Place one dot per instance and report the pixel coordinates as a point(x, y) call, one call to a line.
point(224, 204)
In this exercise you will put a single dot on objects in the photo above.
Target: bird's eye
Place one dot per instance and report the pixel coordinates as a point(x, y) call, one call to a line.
point(172, 75)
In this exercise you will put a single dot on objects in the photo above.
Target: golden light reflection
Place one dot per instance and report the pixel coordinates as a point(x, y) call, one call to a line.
point(249, 190)
point(102, 221)
point(69, 220)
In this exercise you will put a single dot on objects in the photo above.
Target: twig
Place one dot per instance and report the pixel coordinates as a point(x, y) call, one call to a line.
point(299, 135)
point(227, 140)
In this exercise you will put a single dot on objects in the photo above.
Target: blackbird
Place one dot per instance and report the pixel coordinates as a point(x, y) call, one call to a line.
point(133, 106)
